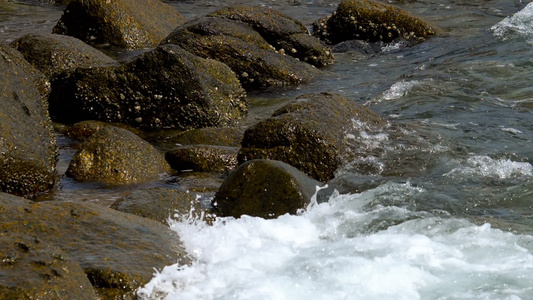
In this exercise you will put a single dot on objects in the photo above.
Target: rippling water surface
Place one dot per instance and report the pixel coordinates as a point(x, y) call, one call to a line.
point(454, 221)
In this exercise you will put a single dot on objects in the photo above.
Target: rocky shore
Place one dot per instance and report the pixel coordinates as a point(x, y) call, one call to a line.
point(192, 76)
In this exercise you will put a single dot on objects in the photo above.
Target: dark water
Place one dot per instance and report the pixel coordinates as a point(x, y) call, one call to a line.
point(468, 95)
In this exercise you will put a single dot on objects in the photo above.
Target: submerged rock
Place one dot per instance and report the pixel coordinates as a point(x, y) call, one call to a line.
point(28, 146)
point(160, 204)
point(264, 188)
point(117, 251)
point(166, 87)
point(126, 24)
point(53, 54)
point(203, 158)
point(309, 134)
point(117, 156)
point(284, 33)
point(372, 21)
point(244, 50)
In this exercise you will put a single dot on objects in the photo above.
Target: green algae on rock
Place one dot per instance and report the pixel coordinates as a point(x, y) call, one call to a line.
point(372, 21)
point(53, 54)
point(225, 136)
point(129, 24)
point(264, 188)
point(244, 50)
point(203, 158)
point(28, 146)
point(167, 87)
point(117, 156)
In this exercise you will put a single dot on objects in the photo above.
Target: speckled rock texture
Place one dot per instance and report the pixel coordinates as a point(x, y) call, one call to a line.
point(117, 156)
point(129, 24)
point(28, 146)
point(203, 158)
point(264, 188)
point(372, 21)
point(53, 54)
point(244, 50)
point(167, 87)
point(309, 133)
point(117, 251)
point(287, 35)
point(226, 136)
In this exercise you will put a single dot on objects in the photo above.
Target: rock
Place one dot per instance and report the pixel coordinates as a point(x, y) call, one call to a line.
point(228, 136)
point(129, 24)
point(372, 21)
point(284, 33)
point(264, 188)
point(28, 146)
point(203, 158)
point(53, 54)
point(117, 156)
point(244, 50)
point(167, 87)
point(309, 133)
point(117, 251)
point(33, 269)
point(160, 204)
point(84, 129)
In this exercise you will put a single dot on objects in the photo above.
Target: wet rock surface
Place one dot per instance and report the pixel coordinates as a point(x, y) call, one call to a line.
point(160, 204)
point(229, 136)
point(166, 87)
point(117, 156)
point(372, 21)
point(311, 129)
point(28, 147)
point(125, 24)
point(53, 54)
point(203, 158)
point(264, 188)
point(103, 241)
point(244, 50)
point(284, 33)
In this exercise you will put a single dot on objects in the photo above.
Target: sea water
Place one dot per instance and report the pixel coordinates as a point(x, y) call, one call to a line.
point(455, 219)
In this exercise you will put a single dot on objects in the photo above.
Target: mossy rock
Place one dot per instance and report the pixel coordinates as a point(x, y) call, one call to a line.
point(203, 158)
point(227, 136)
point(117, 156)
point(244, 50)
point(309, 133)
point(117, 251)
point(372, 21)
point(283, 32)
point(160, 204)
point(129, 24)
point(28, 146)
point(264, 188)
point(167, 87)
point(53, 54)
point(84, 129)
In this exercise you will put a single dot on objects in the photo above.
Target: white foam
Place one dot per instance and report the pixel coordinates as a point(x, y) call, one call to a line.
point(518, 25)
point(321, 254)
point(397, 90)
point(484, 166)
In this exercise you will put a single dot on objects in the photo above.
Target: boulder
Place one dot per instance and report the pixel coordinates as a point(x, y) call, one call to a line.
point(53, 54)
point(372, 21)
point(264, 188)
point(28, 146)
point(309, 133)
point(244, 50)
point(84, 129)
point(166, 87)
point(227, 136)
point(129, 24)
point(117, 251)
point(117, 156)
point(284, 33)
point(203, 158)
point(160, 204)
